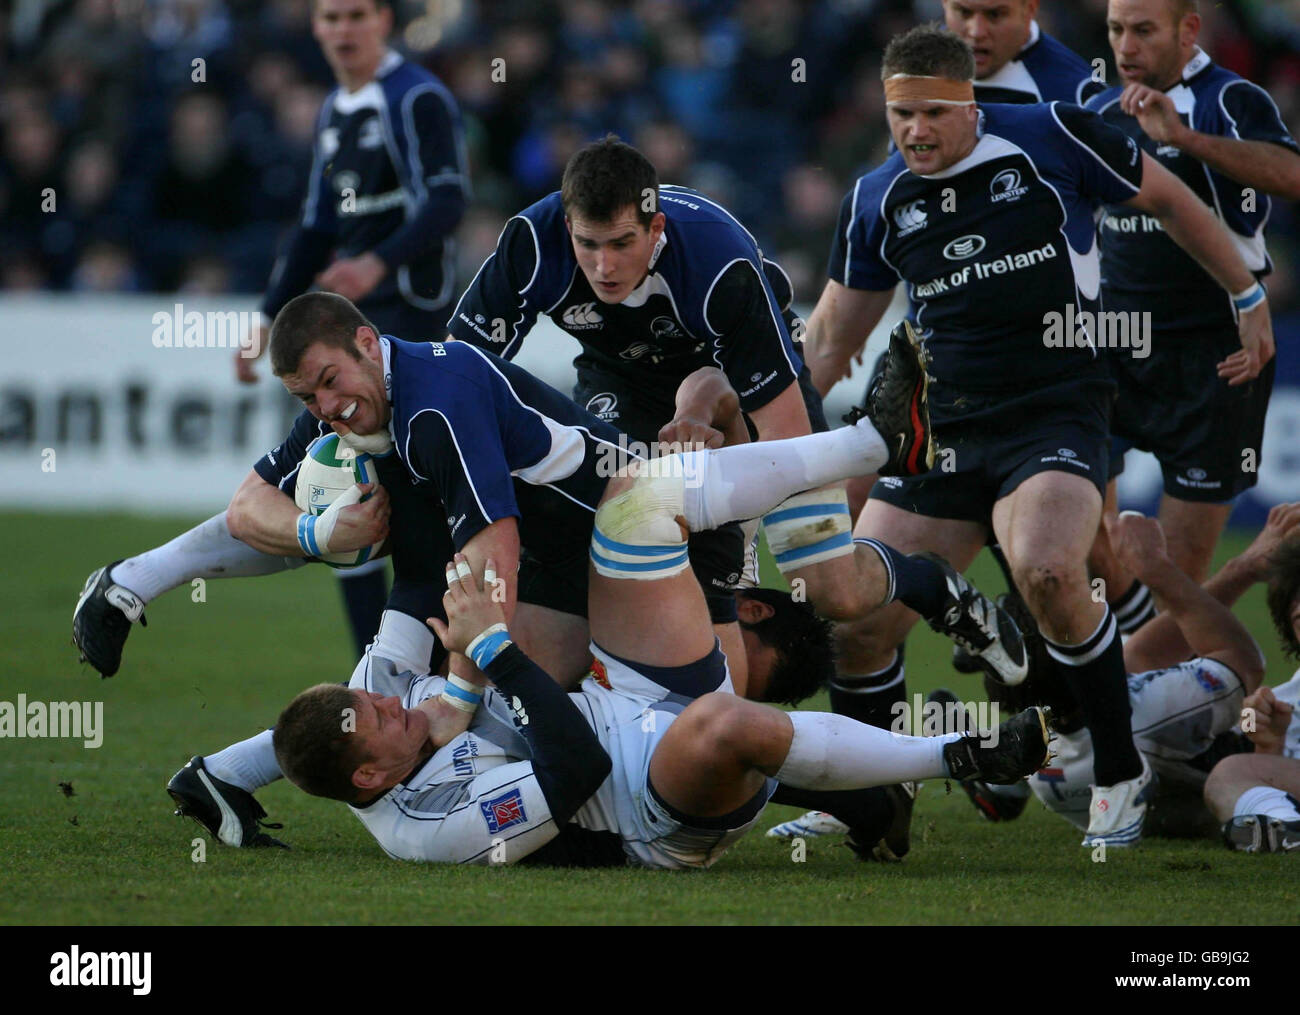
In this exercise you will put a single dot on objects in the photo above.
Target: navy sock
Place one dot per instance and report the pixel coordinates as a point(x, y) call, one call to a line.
point(364, 596)
point(866, 811)
point(917, 583)
point(1095, 673)
point(870, 697)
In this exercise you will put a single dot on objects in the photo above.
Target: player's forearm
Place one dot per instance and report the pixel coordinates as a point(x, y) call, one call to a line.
point(784, 416)
point(1259, 164)
point(1232, 581)
point(1207, 624)
point(568, 759)
point(707, 395)
point(265, 518)
point(828, 351)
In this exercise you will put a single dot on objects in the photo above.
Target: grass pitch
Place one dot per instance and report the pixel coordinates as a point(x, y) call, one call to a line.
point(88, 837)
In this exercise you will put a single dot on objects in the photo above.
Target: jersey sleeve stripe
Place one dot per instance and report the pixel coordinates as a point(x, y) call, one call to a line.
point(1099, 159)
point(848, 233)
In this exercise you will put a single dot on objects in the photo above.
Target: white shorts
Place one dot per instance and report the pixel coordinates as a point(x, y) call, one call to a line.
point(631, 712)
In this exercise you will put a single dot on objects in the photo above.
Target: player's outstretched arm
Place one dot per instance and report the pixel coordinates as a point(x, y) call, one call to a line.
point(838, 329)
point(266, 518)
point(1191, 224)
point(1193, 621)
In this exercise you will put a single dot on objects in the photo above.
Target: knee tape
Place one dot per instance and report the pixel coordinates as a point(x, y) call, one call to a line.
point(636, 534)
point(809, 528)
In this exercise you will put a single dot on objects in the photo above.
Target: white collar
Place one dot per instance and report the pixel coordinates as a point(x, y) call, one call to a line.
point(1199, 61)
point(1034, 33)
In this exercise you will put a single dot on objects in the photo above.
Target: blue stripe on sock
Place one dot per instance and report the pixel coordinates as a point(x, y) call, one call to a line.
point(833, 543)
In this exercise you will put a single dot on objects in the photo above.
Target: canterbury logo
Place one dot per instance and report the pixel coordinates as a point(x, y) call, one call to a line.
point(582, 315)
point(910, 216)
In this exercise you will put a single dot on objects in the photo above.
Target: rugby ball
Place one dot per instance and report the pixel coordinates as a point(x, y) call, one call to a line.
point(328, 470)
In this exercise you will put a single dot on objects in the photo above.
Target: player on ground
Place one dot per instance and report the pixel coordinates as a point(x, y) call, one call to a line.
point(987, 215)
point(1189, 671)
point(528, 469)
point(1223, 137)
point(1257, 795)
point(647, 755)
point(655, 282)
point(389, 184)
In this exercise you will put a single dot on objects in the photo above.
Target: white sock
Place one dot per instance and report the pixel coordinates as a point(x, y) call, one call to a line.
point(206, 551)
point(249, 764)
point(836, 752)
point(1268, 800)
point(749, 480)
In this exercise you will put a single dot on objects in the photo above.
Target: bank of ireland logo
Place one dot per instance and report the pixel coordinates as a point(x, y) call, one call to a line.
point(604, 405)
point(1196, 474)
point(963, 247)
point(1006, 186)
point(582, 316)
point(909, 217)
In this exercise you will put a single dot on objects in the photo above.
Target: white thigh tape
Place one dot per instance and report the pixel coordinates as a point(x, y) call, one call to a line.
point(636, 534)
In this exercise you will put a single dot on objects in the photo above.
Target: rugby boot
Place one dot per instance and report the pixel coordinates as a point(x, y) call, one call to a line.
point(232, 814)
point(103, 619)
point(898, 405)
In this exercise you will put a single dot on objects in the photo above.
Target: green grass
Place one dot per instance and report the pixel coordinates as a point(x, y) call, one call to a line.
point(204, 674)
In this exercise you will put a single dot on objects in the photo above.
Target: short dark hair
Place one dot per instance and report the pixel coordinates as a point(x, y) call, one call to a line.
point(325, 318)
point(318, 752)
point(928, 51)
point(1283, 588)
point(805, 651)
point(605, 177)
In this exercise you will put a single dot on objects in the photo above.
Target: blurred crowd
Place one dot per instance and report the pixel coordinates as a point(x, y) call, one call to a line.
point(164, 145)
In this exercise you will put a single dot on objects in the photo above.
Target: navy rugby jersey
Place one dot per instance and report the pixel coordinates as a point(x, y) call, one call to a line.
point(389, 175)
point(709, 299)
point(1142, 268)
point(1018, 245)
point(1043, 71)
point(480, 434)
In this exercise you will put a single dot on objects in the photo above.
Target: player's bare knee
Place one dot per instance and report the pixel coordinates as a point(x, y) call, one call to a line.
point(719, 725)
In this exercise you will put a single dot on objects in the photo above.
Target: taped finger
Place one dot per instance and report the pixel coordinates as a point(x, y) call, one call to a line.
point(463, 569)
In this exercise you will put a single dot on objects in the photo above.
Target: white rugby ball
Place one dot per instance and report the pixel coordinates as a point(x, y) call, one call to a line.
point(328, 470)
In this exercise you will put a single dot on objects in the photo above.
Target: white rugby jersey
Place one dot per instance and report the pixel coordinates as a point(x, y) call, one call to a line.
point(477, 800)
point(1177, 713)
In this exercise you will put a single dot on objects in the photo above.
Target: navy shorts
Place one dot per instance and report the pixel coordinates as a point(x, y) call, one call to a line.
point(1206, 435)
point(986, 454)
